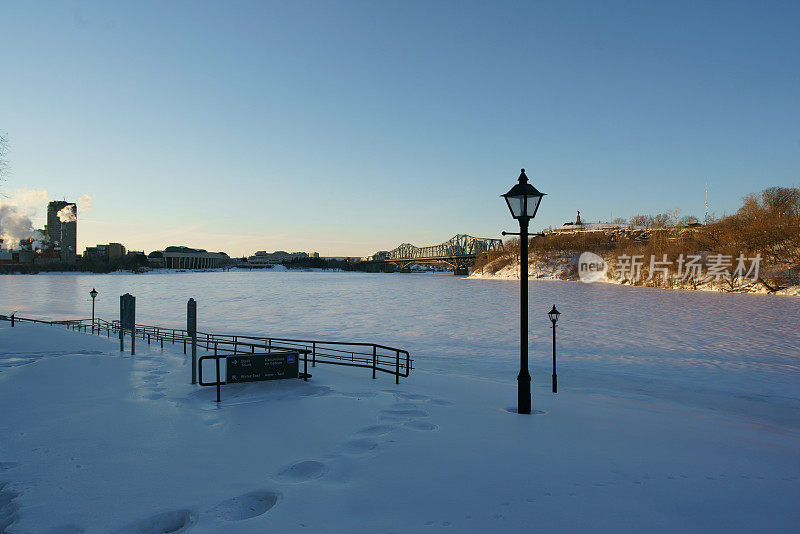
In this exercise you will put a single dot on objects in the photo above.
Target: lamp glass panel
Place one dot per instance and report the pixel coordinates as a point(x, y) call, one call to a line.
point(533, 203)
point(515, 205)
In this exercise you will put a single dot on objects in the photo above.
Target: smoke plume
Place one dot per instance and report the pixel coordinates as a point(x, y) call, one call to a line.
point(67, 214)
point(15, 217)
point(16, 226)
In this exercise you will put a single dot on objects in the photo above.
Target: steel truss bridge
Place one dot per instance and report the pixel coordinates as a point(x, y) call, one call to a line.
point(459, 252)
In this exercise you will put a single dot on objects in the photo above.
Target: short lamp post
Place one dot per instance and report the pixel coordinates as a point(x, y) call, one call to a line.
point(93, 294)
point(523, 201)
point(553, 314)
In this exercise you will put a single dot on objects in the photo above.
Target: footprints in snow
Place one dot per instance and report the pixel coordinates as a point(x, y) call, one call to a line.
point(375, 430)
point(369, 440)
point(246, 506)
point(303, 471)
point(405, 414)
point(167, 522)
point(239, 508)
point(151, 383)
point(360, 446)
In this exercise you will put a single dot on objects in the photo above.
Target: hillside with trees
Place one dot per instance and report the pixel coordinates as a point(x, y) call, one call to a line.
point(765, 230)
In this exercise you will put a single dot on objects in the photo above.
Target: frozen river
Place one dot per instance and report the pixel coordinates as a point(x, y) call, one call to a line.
point(735, 355)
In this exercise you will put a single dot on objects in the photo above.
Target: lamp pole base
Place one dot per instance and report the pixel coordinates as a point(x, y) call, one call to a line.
point(524, 393)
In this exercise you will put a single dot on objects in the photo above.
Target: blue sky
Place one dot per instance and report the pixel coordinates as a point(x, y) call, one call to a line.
point(349, 127)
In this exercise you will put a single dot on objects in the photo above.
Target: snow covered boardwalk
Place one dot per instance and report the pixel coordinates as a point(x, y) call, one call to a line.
point(92, 440)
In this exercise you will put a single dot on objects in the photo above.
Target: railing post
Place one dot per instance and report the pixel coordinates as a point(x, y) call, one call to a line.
point(397, 367)
point(374, 359)
point(314, 356)
point(12, 320)
point(305, 366)
point(191, 330)
point(216, 359)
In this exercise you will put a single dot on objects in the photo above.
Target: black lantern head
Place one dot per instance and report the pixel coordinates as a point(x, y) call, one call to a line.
point(523, 199)
point(553, 314)
point(93, 293)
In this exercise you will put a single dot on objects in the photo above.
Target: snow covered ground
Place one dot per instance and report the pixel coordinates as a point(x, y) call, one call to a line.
point(563, 270)
point(92, 440)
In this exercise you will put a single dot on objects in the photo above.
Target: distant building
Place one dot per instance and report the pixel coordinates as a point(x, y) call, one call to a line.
point(115, 250)
point(580, 226)
point(273, 258)
point(156, 259)
point(62, 228)
point(186, 258)
point(111, 251)
point(381, 255)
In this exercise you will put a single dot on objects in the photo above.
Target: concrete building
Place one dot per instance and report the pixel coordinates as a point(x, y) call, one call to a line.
point(186, 258)
point(62, 228)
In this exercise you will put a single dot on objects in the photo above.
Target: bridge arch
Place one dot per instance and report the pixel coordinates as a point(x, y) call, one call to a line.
point(459, 252)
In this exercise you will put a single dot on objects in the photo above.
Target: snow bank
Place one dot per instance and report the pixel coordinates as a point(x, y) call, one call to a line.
point(98, 441)
point(563, 269)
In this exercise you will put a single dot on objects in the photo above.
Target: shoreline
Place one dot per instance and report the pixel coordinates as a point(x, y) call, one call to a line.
point(511, 272)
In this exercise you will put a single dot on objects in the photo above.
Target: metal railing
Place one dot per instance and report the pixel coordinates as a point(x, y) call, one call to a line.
point(378, 358)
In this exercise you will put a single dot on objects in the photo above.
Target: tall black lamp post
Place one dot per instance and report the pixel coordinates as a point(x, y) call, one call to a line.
point(93, 294)
point(523, 201)
point(553, 314)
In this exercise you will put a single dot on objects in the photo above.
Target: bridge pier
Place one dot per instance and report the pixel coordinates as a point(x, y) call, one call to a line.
point(461, 270)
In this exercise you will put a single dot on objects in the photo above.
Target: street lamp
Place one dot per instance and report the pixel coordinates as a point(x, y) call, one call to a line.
point(523, 201)
point(553, 314)
point(93, 294)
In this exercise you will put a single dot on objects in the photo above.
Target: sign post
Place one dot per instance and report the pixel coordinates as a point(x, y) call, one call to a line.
point(256, 367)
point(191, 329)
point(127, 320)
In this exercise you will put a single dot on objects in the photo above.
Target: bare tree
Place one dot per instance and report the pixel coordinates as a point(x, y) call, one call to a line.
point(642, 220)
point(662, 220)
point(3, 156)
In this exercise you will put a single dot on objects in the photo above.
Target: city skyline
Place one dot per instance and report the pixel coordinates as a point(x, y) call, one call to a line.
point(351, 128)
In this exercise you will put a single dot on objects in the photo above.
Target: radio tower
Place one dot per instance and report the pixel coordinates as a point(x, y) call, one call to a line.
point(706, 219)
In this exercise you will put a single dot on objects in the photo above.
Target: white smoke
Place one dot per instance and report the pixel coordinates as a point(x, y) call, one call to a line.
point(67, 214)
point(15, 217)
point(14, 226)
